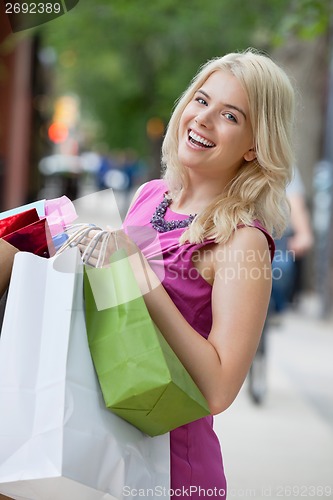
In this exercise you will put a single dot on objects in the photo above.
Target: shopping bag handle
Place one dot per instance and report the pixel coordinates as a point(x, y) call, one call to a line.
point(76, 234)
point(79, 231)
point(102, 236)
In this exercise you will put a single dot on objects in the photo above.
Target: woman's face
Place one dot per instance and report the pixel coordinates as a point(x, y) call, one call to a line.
point(215, 134)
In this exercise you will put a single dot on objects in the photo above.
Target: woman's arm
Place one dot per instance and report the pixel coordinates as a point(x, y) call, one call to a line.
point(240, 298)
point(7, 253)
point(302, 239)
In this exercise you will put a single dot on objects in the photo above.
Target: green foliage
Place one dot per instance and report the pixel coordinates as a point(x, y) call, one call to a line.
point(129, 60)
point(306, 20)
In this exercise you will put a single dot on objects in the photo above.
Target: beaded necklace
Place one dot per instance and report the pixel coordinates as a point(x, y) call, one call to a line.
point(161, 225)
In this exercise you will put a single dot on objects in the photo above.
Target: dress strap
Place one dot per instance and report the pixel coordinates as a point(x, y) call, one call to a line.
point(269, 238)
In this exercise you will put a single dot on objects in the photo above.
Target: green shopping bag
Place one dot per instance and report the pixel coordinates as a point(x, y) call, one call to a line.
point(141, 378)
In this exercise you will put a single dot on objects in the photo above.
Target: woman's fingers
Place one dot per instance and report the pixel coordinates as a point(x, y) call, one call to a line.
point(97, 247)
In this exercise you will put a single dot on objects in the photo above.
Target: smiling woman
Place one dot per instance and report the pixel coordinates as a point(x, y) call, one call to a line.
point(215, 122)
point(260, 96)
point(203, 233)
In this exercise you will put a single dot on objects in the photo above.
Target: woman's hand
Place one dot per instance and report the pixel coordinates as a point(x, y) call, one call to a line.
point(99, 255)
point(97, 251)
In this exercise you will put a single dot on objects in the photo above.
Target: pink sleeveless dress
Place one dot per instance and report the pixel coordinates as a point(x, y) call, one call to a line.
point(195, 452)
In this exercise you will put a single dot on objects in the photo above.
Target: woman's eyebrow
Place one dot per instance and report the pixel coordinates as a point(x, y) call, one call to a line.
point(232, 106)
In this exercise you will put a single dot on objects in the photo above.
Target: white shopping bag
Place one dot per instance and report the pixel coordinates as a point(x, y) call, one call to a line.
point(57, 439)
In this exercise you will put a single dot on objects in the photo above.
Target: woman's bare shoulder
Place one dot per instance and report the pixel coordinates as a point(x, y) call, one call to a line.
point(247, 244)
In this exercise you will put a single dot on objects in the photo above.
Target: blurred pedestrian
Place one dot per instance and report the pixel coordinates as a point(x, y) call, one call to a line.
point(228, 158)
point(291, 248)
point(104, 166)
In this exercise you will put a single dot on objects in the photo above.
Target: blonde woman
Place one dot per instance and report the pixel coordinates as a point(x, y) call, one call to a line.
point(227, 156)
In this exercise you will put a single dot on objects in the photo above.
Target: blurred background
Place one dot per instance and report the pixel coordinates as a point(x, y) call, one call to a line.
point(84, 102)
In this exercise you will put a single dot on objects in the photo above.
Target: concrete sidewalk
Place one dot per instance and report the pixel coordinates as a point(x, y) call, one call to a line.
point(284, 448)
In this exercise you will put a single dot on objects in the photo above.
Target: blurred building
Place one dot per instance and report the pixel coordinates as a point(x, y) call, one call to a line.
point(19, 117)
point(310, 65)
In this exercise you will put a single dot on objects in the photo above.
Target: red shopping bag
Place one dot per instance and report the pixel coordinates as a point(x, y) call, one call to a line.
point(34, 238)
point(18, 221)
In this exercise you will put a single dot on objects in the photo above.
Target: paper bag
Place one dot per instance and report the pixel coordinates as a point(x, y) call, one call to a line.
point(57, 439)
point(153, 390)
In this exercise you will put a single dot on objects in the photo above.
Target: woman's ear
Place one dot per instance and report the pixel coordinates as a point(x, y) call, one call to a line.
point(250, 155)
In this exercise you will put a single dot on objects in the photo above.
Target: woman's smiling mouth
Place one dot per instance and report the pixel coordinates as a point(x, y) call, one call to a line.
point(200, 141)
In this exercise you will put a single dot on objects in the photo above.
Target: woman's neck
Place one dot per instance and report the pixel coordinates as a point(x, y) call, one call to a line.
point(197, 195)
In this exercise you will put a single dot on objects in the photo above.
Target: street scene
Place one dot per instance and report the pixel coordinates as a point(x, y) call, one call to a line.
point(137, 141)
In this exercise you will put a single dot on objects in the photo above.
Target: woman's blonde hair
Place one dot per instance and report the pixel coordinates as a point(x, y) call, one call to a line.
point(258, 191)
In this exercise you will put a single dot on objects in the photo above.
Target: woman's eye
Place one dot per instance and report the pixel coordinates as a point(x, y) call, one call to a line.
point(230, 117)
point(200, 100)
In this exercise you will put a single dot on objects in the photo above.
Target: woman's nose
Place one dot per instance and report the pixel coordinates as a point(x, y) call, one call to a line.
point(203, 118)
